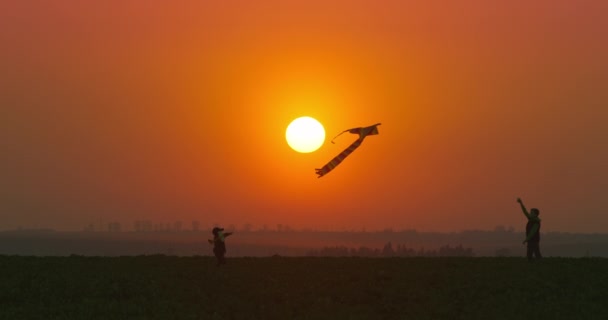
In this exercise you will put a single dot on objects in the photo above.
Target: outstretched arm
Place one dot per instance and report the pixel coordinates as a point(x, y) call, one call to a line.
point(523, 208)
point(228, 234)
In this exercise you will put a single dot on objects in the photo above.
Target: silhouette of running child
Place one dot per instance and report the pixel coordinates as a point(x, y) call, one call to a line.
point(532, 231)
point(219, 244)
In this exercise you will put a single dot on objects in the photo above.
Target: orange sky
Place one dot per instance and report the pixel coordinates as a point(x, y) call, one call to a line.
point(163, 110)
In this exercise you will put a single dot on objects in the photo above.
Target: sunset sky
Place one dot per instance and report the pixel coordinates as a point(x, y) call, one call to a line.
point(177, 110)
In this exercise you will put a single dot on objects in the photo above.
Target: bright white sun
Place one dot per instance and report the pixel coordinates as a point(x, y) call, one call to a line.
point(305, 134)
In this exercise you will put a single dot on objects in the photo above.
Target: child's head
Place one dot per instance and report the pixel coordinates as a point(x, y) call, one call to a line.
point(216, 231)
point(535, 212)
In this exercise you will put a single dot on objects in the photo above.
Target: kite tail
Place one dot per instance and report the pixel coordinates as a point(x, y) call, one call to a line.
point(339, 158)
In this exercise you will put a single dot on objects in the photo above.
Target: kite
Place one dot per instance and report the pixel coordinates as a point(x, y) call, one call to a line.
point(362, 132)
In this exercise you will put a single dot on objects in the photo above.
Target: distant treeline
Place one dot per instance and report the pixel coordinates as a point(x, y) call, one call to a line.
point(389, 251)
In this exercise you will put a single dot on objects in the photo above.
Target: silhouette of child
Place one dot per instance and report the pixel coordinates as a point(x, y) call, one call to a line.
point(219, 244)
point(532, 231)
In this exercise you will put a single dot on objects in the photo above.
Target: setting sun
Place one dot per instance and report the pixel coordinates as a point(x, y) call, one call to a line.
point(305, 134)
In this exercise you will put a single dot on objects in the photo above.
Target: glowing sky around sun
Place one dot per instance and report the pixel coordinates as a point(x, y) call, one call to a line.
point(159, 110)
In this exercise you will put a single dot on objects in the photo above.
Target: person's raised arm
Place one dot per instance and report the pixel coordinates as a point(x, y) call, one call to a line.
point(228, 234)
point(523, 208)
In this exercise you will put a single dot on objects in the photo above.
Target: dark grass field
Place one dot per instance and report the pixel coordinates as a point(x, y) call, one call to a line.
point(166, 287)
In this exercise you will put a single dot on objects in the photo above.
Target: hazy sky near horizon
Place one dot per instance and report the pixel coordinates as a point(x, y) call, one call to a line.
point(177, 110)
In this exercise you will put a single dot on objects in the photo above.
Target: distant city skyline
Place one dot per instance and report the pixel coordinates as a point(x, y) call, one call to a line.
point(407, 243)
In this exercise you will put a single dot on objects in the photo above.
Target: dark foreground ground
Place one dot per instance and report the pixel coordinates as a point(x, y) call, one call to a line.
point(165, 287)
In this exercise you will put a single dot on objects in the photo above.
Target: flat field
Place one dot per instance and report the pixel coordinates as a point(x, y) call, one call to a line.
point(169, 287)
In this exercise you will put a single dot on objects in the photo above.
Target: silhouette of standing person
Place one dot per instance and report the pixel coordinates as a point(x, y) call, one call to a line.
point(219, 244)
point(532, 231)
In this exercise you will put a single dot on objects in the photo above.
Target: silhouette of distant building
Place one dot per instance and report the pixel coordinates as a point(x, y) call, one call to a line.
point(114, 227)
point(143, 226)
point(177, 226)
